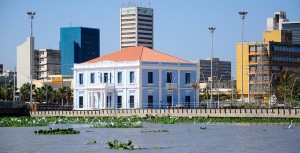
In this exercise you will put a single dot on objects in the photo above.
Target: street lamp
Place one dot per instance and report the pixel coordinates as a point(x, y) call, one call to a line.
point(270, 94)
point(293, 88)
point(243, 15)
point(211, 29)
point(231, 89)
point(30, 88)
point(47, 73)
point(31, 17)
point(219, 90)
point(6, 74)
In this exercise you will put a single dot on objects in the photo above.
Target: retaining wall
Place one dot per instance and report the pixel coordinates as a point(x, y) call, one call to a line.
point(274, 113)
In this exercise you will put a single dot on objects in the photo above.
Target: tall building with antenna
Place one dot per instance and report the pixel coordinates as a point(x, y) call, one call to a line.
point(136, 26)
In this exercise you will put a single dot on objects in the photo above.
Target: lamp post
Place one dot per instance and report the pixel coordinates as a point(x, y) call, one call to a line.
point(30, 88)
point(243, 15)
point(219, 90)
point(293, 88)
point(47, 85)
point(270, 90)
point(206, 88)
point(211, 29)
point(6, 74)
point(31, 17)
point(231, 89)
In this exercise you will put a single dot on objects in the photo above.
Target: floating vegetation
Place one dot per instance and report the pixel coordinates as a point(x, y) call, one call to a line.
point(119, 145)
point(118, 125)
point(57, 131)
point(130, 122)
point(164, 130)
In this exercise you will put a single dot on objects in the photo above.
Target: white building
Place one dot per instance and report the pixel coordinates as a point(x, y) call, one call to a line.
point(136, 27)
point(135, 77)
point(25, 62)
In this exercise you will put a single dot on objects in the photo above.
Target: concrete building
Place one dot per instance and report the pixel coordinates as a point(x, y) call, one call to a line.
point(25, 62)
point(55, 81)
point(294, 28)
point(77, 45)
point(280, 22)
point(263, 59)
point(47, 62)
point(135, 77)
point(136, 27)
point(221, 69)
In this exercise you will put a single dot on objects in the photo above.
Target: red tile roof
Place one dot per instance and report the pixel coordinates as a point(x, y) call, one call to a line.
point(139, 53)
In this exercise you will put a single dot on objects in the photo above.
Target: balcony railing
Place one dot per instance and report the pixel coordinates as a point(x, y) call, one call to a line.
point(171, 86)
point(101, 85)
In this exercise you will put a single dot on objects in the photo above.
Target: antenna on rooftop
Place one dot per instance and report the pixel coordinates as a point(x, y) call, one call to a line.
point(149, 4)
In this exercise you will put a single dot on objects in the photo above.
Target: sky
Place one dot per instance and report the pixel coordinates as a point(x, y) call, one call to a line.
point(180, 27)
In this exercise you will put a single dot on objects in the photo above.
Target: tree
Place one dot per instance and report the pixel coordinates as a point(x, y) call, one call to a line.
point(25, 91)
point(65, 93)
point(47, 90)
point(283, 83)
point(38, 94)
point(195, 87)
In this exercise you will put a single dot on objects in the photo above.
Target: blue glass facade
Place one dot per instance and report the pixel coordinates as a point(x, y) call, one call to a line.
point(293, 27)
point(78, 45)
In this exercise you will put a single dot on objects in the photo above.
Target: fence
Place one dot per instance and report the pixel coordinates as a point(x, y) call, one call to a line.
point(273, 113)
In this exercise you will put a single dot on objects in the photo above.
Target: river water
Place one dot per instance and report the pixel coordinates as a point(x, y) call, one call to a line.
point(181, 138)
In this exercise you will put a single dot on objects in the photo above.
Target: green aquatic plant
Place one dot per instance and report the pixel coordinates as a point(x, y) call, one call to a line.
point(118, 125)
point(57, 131)
point(119, 145)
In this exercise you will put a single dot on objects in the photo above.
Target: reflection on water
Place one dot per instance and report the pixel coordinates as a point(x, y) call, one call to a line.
point(180, 138)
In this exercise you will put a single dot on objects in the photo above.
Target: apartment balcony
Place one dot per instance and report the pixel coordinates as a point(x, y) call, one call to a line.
point(259, 82)
point(258, 53)
point(171, 86)
point(101, 86)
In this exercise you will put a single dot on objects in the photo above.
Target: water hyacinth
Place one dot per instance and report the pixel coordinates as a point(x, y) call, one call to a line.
point(57, 131)
point(130, 122)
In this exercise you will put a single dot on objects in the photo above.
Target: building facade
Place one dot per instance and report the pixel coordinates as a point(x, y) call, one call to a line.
point(77, 45)
point(294, 28)
point(47, 62)
point(261, 61)
point(136, 27)
point(135, 77)
point(221, 69)
point(280, 22)
point(25, 62)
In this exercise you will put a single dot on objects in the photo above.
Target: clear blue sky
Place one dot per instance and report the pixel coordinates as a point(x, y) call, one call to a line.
point(180, 27)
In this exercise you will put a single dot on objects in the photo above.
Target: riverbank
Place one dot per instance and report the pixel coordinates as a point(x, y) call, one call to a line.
point(46, 121)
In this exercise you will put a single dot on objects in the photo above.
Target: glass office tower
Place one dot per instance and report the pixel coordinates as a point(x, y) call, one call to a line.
point(77, 45)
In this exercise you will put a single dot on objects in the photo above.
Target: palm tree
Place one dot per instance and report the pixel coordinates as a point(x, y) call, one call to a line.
point(195, 87)
point(68, 94)
point(38, 94)
point(54, 96)
point(25, 91)
point(62, 91)
point(47, 90)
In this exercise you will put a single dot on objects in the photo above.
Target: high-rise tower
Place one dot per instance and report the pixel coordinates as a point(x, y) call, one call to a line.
point(136, 27)
point(77, 45)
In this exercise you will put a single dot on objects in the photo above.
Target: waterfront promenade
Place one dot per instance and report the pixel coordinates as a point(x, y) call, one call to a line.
point(273, 113)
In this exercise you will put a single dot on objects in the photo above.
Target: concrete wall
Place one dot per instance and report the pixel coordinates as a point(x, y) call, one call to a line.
point(274, 113)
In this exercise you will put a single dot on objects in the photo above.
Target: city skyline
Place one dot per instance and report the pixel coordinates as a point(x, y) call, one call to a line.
point(180, 28)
